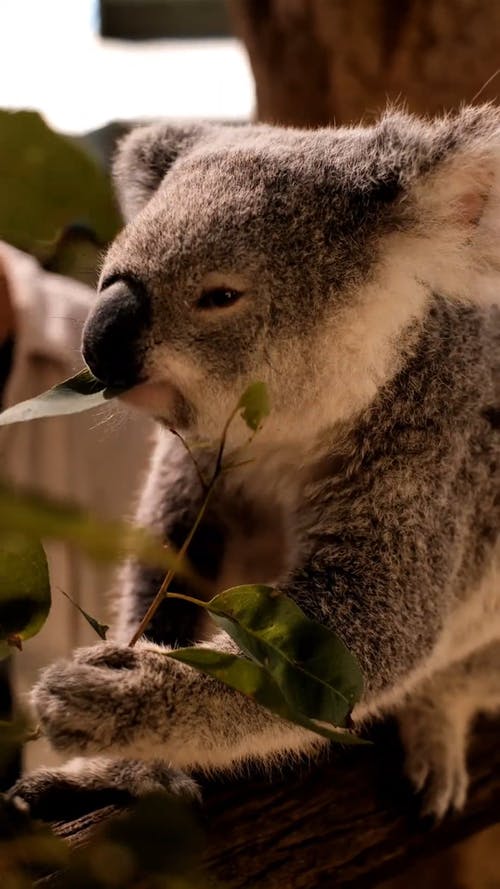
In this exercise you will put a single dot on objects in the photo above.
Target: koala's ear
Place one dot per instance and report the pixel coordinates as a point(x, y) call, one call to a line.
point(461, 177)
point(451, 169)
point(144, 157)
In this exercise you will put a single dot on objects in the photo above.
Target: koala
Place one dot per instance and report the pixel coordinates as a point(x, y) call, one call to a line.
point(355, 271)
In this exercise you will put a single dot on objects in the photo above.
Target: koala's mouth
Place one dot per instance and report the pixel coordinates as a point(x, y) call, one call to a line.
point(154, 398)
point(163, 401)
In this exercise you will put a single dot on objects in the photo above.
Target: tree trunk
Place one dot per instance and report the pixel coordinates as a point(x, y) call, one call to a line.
point(339, 61)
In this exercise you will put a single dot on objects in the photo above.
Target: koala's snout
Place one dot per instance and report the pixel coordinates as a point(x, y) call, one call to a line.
point(112, 336)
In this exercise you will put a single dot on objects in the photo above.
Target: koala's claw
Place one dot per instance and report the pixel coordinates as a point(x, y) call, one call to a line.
point(435, 760)
point(442, 784)
point(102, 698)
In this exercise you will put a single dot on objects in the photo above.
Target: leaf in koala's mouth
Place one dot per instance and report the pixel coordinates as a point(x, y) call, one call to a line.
point(82, 392)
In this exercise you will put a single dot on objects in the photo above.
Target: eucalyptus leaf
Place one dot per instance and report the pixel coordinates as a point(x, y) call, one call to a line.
point(254, 405)
point(82, 392)
point(100, 629)
point(49, 182)
point(316, 673)
point(103, 540)
point(256, 682)
point(24, 589)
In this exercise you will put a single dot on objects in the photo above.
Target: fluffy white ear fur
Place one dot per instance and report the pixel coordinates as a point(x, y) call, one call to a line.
point(456, 251)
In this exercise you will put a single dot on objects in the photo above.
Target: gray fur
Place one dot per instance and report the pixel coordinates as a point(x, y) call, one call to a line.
point(365, 259)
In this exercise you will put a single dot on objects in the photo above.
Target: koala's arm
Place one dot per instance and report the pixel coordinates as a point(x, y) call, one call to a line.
point(139, 703)
point(169, 506)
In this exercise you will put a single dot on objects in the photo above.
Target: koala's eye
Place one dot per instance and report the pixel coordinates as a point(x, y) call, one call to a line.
point(218, 298)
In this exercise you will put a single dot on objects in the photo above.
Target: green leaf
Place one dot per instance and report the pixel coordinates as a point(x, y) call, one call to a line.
point(24, 589)
point(316, 673)
point(105, 541)
point(256, 682)
point(49, 183)
point(100, 629)
point(254, 405)
point(79, 393)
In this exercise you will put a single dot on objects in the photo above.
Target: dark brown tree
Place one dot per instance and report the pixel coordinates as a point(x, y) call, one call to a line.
point(323, 61)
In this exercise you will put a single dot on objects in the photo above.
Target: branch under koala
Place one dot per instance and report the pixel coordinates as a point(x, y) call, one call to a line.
point(351, 821)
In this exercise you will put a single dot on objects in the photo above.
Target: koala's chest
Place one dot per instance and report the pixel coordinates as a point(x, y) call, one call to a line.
point(259, 555)
point(257, 550)
point(260, 545)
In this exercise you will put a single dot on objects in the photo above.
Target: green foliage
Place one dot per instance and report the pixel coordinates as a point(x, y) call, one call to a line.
point(299, 669)
point(104, 541)
point(254, 405)
point(255, 681)
point(49, 183)
point(24, 588)
point(317, 674)
point(79, 393)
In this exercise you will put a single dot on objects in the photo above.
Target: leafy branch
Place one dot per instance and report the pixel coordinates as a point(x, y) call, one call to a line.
point(254, 406)
point(290, 664)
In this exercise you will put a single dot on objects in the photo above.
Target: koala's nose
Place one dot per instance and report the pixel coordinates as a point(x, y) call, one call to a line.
point(111, 343)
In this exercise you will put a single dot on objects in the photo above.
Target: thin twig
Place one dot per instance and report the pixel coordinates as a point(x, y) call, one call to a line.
point(185, 598)
point(208, 488)
point(193, 458)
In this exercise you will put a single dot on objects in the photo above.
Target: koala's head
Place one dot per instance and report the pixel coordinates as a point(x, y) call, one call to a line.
point(294, 257)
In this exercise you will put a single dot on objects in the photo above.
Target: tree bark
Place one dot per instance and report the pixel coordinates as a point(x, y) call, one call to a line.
point(349, 822)
point(317, 62)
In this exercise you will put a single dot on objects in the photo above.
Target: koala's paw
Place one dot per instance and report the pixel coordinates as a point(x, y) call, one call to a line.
point(104, 699)
point(48, 791)
point(435, 759)
point(84, 785)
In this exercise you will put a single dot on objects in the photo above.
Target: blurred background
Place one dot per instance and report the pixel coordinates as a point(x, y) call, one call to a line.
point(181, 61)
point(74, 75)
